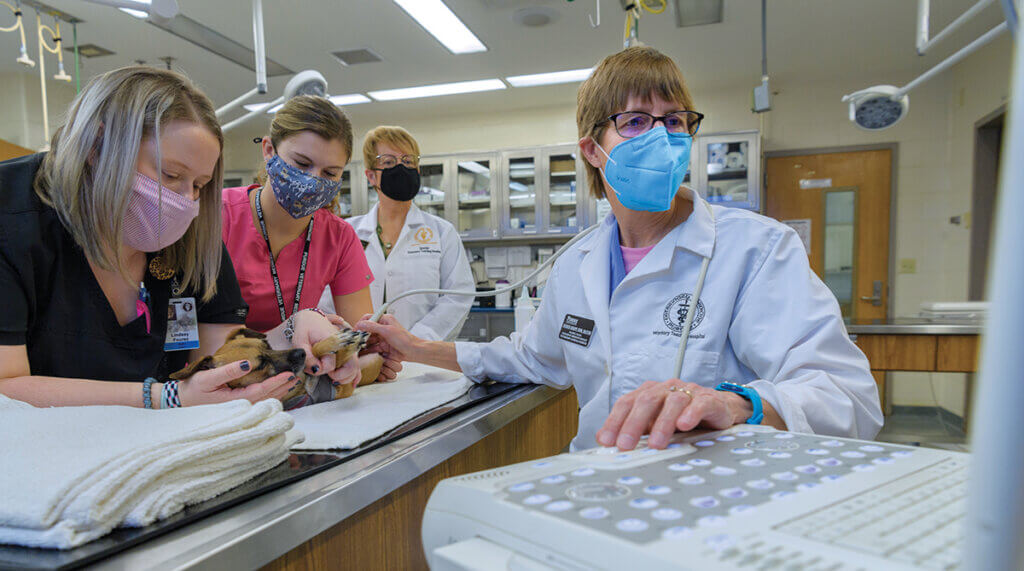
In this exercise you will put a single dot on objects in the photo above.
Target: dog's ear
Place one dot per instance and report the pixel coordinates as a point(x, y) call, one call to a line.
point(193, 368)
point(246, 332)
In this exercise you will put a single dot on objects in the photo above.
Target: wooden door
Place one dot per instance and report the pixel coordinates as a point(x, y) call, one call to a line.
point(12, 151)
point(811, 189)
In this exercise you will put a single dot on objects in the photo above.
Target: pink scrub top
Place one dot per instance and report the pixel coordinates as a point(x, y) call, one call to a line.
point(336, 259)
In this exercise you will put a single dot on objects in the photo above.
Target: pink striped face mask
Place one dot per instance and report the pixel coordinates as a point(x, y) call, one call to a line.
point(152, 224)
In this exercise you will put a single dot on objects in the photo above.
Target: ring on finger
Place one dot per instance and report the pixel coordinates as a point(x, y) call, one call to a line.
point(677, 389)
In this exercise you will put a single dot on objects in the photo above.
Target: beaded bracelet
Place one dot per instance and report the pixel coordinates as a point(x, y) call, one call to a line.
point(289, 324)
point(147, 387)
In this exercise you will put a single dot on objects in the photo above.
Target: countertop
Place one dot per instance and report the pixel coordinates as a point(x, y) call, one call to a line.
point(914, 326)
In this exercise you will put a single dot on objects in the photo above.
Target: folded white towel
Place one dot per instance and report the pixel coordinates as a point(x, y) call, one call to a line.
point(72, 474)
point(375, 409)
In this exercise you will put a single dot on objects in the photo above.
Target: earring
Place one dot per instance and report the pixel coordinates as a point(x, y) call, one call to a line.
point(159, 269)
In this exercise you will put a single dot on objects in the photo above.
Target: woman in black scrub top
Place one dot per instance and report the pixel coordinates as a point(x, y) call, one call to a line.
point(112, 231)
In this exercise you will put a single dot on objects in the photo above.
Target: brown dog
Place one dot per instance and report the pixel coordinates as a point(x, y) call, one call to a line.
point(249, 345)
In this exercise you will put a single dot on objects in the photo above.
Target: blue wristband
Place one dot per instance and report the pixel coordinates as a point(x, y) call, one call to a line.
point(749, 394)
point(147, 387)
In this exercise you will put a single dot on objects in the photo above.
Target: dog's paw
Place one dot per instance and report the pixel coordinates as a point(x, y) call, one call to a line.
point(345, 343)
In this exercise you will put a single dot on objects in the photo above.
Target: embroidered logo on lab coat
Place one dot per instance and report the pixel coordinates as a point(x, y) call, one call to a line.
point(424, 235)
point(676, 310)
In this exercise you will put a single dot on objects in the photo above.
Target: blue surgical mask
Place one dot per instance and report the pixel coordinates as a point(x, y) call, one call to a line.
point(645, 172)
point(300, 194)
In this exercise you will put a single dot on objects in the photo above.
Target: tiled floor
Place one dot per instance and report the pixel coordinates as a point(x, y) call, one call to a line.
point(923, 428)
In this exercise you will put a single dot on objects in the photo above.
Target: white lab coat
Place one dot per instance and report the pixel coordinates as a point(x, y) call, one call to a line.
point(428, 254)
point(764, 319)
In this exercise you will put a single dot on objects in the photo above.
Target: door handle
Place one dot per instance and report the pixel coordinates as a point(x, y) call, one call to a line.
point(876, 294)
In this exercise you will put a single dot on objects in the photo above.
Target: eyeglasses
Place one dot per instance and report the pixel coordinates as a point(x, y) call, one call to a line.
point(388, 161)
point(635, 123)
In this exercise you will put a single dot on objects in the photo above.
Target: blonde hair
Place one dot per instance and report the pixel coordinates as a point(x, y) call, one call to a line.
point(395, 136)
point(638, 71)
point(316, 115)
point(88, 174)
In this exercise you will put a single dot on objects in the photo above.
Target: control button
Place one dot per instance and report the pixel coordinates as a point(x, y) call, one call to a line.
point(830, 462)
point(541, 464)
point(594, 513)
point(537, 499)
point(741, 509)
point(745, 433)
point(691, 480)
point(711, 521)
point(784, 476)
point(557, 479)
point(607, 451)
point(784, 436)
point(872, 448)
point(831, 478)
point(675, 445)
point(559, 506)
point(781, 494)
point(733, 493)
point(741, 451)
point(666, 514)
point(863, 467)
point(677, 532)
point(852, 454)
point(760, 484)
point(723, 471)
point(720, 541)
point(625, 456)
point(699, 462)
point(780, 455)
point(643, 503)
point(882, 460)
point(677, 467)
point(631, 480)
point(657, 490)
point(832, 443)
point(583, 472)
point(597, 492)
point(753, 462)
point(726, 438)
point(704, 443)
point(650, 452)
point(808, 469)
point(901, 453)
point(807, 486)
point(632, 525)
point(705, 502)
point(816, 451)
point(524, 487)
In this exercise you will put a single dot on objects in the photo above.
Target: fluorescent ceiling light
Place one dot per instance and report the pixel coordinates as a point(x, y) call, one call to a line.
point(549, 78)
point(474, 167)
point(350, 99)
point(439, 89)
point(437, 19)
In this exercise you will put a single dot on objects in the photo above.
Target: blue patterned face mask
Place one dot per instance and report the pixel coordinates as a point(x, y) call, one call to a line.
point(300, 194)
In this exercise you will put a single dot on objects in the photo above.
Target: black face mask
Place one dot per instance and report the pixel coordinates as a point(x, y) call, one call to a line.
point(400, 182)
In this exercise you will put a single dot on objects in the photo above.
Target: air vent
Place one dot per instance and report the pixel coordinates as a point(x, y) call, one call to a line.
point(354, 57)
point(91, 50)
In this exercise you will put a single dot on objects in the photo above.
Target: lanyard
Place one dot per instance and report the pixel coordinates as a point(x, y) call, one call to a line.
point(273, 266)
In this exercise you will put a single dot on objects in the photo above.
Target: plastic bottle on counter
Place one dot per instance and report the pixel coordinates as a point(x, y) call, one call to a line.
point(524, 310)
point(502, 299)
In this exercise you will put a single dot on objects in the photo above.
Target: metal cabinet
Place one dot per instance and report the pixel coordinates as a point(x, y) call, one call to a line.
point(539, 191)
point(727, 168)
point(475, 195)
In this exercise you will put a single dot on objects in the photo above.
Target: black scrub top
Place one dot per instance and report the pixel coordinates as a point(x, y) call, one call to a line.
point(51, 302)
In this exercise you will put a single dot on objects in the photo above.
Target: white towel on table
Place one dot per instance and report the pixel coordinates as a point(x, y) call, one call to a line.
point(375, 409)
point(71, 474)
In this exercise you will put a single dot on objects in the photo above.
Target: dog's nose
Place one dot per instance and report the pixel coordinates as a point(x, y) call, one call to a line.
point(296, 357)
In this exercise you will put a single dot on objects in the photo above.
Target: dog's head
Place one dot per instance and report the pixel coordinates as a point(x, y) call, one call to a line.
point(247, 345)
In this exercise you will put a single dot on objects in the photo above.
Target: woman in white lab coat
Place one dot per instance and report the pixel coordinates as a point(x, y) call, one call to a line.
point(766, 341)
point(408, 248)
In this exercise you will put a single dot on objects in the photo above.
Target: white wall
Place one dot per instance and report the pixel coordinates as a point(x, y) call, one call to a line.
point(21, 115)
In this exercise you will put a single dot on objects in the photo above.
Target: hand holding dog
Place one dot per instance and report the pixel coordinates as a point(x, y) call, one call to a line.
point(392, 363)
point(311, 327)
point(211, 386)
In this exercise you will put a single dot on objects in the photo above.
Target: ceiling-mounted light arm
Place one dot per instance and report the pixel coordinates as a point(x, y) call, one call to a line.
point(590, 17)
point(924, 14)
point(952, 60)
point(260, 54)
point(308, 82)
point(236, 122)
point(1011, 13)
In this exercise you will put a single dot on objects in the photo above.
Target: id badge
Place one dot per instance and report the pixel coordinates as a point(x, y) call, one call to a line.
point(182, 324)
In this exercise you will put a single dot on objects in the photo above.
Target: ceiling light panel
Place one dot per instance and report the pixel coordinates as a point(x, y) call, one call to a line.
point(437, 19)
point(439, 89)
point(549, 78)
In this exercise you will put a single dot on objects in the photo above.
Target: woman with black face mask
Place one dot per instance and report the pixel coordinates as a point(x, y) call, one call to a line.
point(408, 248)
